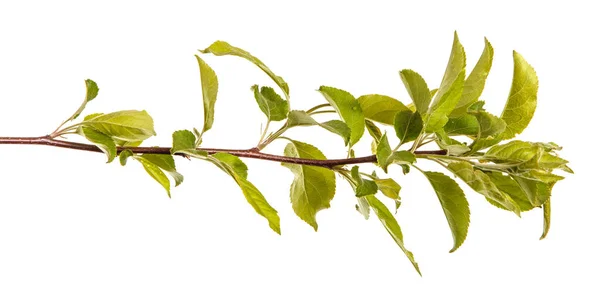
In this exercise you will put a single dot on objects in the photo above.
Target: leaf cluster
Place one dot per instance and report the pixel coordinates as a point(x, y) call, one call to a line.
point(476, 146)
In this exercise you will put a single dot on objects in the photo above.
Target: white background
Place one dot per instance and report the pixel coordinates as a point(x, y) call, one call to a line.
point(69, 221)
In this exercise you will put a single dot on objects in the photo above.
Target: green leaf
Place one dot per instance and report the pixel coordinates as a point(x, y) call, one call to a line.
point(476, 107)
point(105, 143)
point(475, 82)
point(259, 203)
point(389, 188)
point(301, 118)
point(385, 155)
point(543, 176)
point(91, 91)
point(481, 183)
point(417, 89)
point(364, 187)
point(511, 188)
point(251, 193)
point(349, 110)
point(489, 125)
point(223, 48)
point(124, 155)
point(522, 99)
point(129, 125)
point(373, 130)
point(439, 111)
point(234, 162)
point(515, 151)
point(462, 125)
point(408, 126)
point(380, 108)
point(454, 204)
point(547, 211)
point(526, 155)
point(210, 87)
point(384, 151)
point(184, 142)
point(454, 147)
point(392, 227)
point(537, 192)
point(450, 90)
point(166, 163)
point(550, 161)
point(157, 174)
point(270, 103)
point(375, 133)
point(313, 187)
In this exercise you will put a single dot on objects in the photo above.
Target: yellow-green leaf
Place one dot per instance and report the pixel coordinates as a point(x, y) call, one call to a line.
point(185, 142)
point(105, 143)
point(454, 147)
point(234, 162)
point(454, 203)
point(389, 188)
point(364, 187)
point(313, 187)
point(124, 155)
point(166, 163)
point(301, 118)
point(392, 227)
point(349, 110)
point(489, 125)
point(251, 193)
point(417, 89)
point(475, 82)
point(481, 183)
point(91, 91)
point(156, 173)
point(522, 99)
point(210, 87)
point(450, 90)
point(223, 48)
point(129, 125)
point(384, 151)
point(547, 212)
point(380, 108)
point(270, 103)
point(511, 188)
point(373, 130)
point(537, 191)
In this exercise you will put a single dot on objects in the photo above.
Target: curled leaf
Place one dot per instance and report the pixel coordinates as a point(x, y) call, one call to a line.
point(223, 48)
point(105, 143)
point(210, 87)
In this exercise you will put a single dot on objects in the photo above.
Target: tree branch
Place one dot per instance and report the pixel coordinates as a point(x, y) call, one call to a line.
point(244, 153)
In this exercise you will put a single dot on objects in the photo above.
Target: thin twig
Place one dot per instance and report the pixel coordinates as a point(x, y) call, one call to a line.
point(244, 153)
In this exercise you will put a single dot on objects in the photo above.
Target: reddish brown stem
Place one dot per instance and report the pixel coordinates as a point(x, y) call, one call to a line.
point(244, 153)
